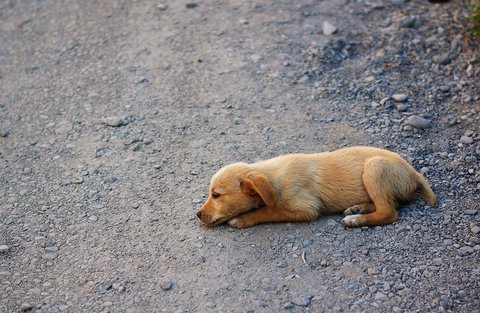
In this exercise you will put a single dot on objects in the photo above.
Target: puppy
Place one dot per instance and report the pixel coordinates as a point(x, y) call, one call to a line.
point(367, 184)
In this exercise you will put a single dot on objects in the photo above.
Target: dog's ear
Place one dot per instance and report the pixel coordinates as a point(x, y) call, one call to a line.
point(259, 185)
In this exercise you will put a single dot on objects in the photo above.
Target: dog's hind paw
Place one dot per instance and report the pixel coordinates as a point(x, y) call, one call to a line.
point(351, 220)
point(233, 221)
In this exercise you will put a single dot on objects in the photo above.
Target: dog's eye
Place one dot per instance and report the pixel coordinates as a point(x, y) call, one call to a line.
point(215, 195)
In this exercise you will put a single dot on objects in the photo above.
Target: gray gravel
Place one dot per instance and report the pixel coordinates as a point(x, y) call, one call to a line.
point(114, 115)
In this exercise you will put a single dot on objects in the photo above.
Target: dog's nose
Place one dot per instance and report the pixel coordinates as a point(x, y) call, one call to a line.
point(199, 214)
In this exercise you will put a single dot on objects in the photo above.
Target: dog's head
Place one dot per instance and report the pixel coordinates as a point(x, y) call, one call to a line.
point(235, 189)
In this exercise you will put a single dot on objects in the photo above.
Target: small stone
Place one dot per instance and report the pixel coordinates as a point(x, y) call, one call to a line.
point(3, 133)
point(438, 261)
point(466, 250)
point(115, 121)
point(166, 285)
point(25, 307)
point(372, 271)
point(469, 133)
point(191, 5)
point(93, 218)
point(63, 127)
point(418, 122)
point(470, 212)
point(307, 242)
point(135, 205)
point(282, 264)
point(384, 100)
point(401, 107)
point(466, 140)
point(4, 248)
point(210, 304)
point(49, 256)
point(243, 21)
point(162, 6)
point(380, 296)
point(288, 305)
point(197, 201)
point(474, 228)
point(302, 301)
point(328, 29)
point(400, 97)
point(469, 70)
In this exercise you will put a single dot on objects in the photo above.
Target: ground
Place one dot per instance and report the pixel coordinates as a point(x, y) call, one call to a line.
point(115, 114)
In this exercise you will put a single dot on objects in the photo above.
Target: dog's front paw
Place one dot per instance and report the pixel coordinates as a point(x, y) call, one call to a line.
point(239, 222)
point(352, 220)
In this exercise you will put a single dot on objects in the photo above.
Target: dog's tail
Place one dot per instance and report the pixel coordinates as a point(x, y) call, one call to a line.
point(425, 191)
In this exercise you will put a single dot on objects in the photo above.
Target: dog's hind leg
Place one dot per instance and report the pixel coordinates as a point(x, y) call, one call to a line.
point(387, 181)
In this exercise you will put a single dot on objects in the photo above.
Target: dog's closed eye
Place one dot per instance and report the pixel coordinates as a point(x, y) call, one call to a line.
point(215, 195)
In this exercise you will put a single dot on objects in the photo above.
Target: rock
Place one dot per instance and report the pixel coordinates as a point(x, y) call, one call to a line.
point(466, 140)
point(4, 248)
point(25, 307)
point(474, 228)
point(3, 133)
point(302, 301)
point(49, 256)
point(210, 304)
point(166, 285)
point(438, 261)
point(162, 6)
point(401, 107)
point(288, 305)
point(307, 242)
point(418, 122)
point(380, 296)
point(328, 29)
point(282, 264)
point(191, 5)
point(372, 271)
point(469, 70)
point(63, 127)
point(243, 21)
point(93, 218)
point(466, 250)
point(400, 97)
point(115, 121)
point(470, 212)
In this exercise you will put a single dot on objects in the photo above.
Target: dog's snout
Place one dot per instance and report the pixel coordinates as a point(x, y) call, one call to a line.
point(199, 214)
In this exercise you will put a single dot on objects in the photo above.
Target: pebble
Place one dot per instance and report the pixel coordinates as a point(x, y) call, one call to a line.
point(400, 97)
point(210, 304)
point(438, 261)
point(466, 140)
point(166, 284)
point(401, 107)
point(63, 127)
point(302, 301)
point(93, 218)
point(282, 264)
point(328, 29)
point(243, 21)
point(466, 250)
point(191, 5)
point(288, 305)
point(49, 256)
point(115, 121)
point(26, 307)
point(307, 242)
point(3, 133)
point(162, 6)
point(4, 248)
point(470, 212)
point(418, 122)
point(474, 228)
point(197, 201)
point(380, 296)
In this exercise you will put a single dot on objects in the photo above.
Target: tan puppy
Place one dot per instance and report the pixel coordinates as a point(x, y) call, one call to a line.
point(366, 184)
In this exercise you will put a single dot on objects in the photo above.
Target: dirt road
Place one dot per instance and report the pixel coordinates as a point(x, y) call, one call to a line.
point(115, 114)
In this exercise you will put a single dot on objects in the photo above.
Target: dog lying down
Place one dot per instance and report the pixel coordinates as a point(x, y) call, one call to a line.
point(367, 184)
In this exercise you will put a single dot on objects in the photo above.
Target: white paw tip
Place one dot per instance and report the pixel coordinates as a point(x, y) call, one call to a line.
point(350, 219)
point(233, 221)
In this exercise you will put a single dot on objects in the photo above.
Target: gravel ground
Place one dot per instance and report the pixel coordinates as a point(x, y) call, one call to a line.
point(115, 114)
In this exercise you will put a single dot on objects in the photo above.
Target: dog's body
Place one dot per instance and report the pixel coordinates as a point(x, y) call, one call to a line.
point(365, 183)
